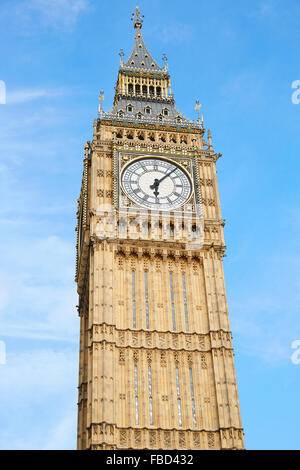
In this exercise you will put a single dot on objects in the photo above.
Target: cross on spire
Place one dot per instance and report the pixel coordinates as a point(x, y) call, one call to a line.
point(137, 17)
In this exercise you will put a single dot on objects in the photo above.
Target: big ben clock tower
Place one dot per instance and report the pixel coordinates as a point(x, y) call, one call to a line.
point(156, 367)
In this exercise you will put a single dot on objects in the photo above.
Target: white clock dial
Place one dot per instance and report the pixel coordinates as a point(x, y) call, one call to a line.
point(155, 183)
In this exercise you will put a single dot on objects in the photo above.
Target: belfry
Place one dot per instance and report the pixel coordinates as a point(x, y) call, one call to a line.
point(156, 365)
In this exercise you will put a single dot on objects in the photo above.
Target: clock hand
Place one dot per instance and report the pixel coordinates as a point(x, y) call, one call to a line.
point(155, 187)
point(156, 183)
point(168, 174)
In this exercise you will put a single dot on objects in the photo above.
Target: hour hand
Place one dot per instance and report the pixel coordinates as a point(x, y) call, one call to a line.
point(155, 187)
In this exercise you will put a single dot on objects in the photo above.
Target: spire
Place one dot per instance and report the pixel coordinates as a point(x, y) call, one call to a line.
point(138, 18)
point(143, 89)
point(140, 58)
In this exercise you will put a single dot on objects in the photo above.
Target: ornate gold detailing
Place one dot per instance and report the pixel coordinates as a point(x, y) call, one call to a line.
point(137, 17)
point(101, 99)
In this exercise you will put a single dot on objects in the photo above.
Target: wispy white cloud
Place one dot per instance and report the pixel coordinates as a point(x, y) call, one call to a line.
point(24, 95)
point(28, 383)
point(265, 312)
point(60, 436)
point(57, 13)
point(42, 272)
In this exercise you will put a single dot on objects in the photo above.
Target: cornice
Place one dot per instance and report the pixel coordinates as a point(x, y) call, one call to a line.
point(182, 127)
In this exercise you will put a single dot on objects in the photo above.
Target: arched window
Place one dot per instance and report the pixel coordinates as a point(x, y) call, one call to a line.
point(170, 230)
point(129, 108)
point(183, 140)
point(122, 226)
point(148, 110)
point(130, 88)
point(195, 231)
point(166, 112)
point(158, 91)
point(146, 228)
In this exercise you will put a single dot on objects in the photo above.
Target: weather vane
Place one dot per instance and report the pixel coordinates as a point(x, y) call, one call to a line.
point(121, 54)
point(101, 99)
point(197, 107)
point(165, 59)
point(137, 17)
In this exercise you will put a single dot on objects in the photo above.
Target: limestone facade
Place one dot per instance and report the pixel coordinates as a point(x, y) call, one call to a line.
point(156, 368)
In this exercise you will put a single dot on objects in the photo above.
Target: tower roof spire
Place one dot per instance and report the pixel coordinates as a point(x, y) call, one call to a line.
point(143, 88)
point(140, 58)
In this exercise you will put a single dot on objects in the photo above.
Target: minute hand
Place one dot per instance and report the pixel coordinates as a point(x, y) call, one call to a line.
point(168, 174)
point(155, 185)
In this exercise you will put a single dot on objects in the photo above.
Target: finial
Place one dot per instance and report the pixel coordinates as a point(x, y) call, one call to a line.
point(101, 99)
point(138, 18)
point(197, 107)
point(209, 140)
point(87, 148)
point(165, 59)
point(121, 54)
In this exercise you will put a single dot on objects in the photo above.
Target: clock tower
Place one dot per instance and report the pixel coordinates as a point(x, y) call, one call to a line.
point(156, 366)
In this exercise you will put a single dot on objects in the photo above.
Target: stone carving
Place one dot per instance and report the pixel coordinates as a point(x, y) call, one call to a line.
point(148, 339)
point(196, 440)
point(211, 439)
point(121, 337)
point(202, 341)
point(122, 356)
point(163, 359)
point(167, 439)
point(152, 439)
point(137, 438)
point(203, 361)
point(181, 439)
point(134, 339)
point(149, 356)
point(123, 438)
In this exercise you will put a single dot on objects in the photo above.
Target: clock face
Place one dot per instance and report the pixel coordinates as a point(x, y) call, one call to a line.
point(156, 183)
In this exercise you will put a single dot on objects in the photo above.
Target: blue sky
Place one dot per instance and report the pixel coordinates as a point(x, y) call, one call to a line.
point(239, 59)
